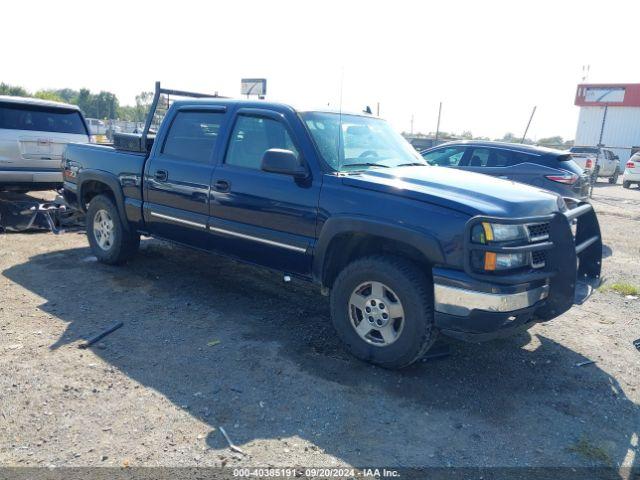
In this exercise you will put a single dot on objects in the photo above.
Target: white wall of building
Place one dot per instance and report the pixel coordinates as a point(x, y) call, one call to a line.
point(621, 129)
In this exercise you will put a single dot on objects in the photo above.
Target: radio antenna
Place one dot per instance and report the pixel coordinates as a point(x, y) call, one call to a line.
point(340, 121)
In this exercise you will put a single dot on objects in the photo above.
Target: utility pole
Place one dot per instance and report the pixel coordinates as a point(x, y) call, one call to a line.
point(528, 124)
point(435, 142)
point(412, 124)
point(378, 110)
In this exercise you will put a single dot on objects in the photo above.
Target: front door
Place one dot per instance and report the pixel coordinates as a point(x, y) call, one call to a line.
point(263, 217)
point(178, 175)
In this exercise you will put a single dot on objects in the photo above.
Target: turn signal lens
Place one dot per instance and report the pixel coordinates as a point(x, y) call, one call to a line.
point(490, 261)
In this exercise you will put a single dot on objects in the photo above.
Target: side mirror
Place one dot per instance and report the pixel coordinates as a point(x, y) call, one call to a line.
point(285, 162)
point(616, 157)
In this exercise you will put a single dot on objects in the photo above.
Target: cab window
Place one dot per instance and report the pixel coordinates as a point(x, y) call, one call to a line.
point(479, 157)
point(445, 157)
point(193, 136)
point(252, 136)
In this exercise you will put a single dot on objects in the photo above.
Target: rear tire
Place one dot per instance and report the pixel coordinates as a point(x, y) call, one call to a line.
point(110, 241)
point(382, 310)
point(626, 184)
point(614, 179)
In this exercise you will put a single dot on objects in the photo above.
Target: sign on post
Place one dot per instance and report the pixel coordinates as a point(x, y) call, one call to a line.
point(253, 86)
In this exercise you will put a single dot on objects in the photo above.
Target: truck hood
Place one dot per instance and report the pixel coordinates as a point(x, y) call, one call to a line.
point(467, 192)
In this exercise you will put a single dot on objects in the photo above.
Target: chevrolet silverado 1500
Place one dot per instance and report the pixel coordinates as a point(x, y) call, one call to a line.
point(405, 250)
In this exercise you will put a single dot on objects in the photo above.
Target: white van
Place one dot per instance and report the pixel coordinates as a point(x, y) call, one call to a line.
point(33, 136)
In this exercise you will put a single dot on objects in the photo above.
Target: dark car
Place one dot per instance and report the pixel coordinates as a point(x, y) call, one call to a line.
point(404, 250)
point(550, 169)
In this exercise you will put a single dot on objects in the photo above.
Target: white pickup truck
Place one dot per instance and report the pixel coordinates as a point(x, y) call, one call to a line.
point(598, 162)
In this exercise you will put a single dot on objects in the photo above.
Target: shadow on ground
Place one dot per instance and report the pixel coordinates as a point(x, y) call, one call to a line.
point(279, 371)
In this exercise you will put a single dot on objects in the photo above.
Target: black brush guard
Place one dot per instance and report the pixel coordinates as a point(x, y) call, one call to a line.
point(573, 263)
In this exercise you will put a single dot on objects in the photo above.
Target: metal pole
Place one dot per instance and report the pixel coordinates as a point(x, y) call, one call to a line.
point(411, 124)
point(435, 142)
point(604, 119)
point(378, 110)
point(528, 125)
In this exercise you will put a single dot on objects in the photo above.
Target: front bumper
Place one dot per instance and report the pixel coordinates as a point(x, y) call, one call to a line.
point(477, 307)
point(475, 311)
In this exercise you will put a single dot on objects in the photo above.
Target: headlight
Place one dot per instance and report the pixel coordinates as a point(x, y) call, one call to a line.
point(497, 232)
point(486, 233)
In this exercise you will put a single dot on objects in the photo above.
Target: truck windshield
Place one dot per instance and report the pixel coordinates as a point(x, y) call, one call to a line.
point(354, 142)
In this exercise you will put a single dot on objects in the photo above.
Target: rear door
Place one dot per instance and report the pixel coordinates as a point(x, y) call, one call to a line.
point(506, 164)
point(263, 217)
point(178, 175)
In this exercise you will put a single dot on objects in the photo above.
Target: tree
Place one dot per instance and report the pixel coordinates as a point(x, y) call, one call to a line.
point(511, 138)
point(467, 135)
point(48, 95)
point(6, 89)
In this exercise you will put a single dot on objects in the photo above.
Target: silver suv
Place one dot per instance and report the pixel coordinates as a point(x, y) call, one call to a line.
point(33, 135)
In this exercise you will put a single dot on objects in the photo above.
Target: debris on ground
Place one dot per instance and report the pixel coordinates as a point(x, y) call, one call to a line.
point(213, 343)
point(232, 446)
point(101, 335)
point(636, 343)
point(587, 362)
point(24, 213)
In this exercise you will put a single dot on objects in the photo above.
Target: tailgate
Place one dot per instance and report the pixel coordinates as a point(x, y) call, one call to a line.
point(42, 150)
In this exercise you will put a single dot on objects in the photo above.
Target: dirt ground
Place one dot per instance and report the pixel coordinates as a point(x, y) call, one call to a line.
point(156, 391)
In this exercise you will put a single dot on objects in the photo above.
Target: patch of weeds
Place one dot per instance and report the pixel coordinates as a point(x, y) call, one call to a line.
point(625, 288)
point(589, 451)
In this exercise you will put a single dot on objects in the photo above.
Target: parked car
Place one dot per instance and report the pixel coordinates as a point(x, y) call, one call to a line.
point(405, 250)
point(541, 167)
point(599, 162)
point(632, 171)
point(96, 127)
point(33, 135)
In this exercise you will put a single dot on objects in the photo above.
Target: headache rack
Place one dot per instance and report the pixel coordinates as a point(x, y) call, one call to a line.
point(142, 142)
point(565, 249)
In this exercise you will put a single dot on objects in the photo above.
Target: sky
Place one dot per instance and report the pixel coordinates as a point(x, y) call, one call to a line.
point(488, 62)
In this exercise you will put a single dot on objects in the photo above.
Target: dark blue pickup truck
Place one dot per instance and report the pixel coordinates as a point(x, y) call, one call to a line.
point(405, 250)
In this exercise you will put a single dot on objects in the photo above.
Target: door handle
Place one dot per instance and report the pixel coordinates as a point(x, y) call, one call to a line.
point(222, 186)
point(161, 175)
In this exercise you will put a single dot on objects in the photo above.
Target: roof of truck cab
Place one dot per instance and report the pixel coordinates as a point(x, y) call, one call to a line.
point(249, 103)
point(37, 102)
point(518, 147)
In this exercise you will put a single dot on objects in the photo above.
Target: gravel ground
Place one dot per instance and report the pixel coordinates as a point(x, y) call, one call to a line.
point(155, 392)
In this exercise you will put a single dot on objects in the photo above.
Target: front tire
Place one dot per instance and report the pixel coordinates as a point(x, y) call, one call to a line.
point(614, 179)
point(110, 241)
point(382, 310)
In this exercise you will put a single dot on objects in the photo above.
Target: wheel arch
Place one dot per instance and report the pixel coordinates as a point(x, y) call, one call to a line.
point(95, 182)
point(343, 239)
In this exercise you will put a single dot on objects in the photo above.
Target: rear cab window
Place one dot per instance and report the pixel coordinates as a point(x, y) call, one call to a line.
point(193, 136)
point(15, 116)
